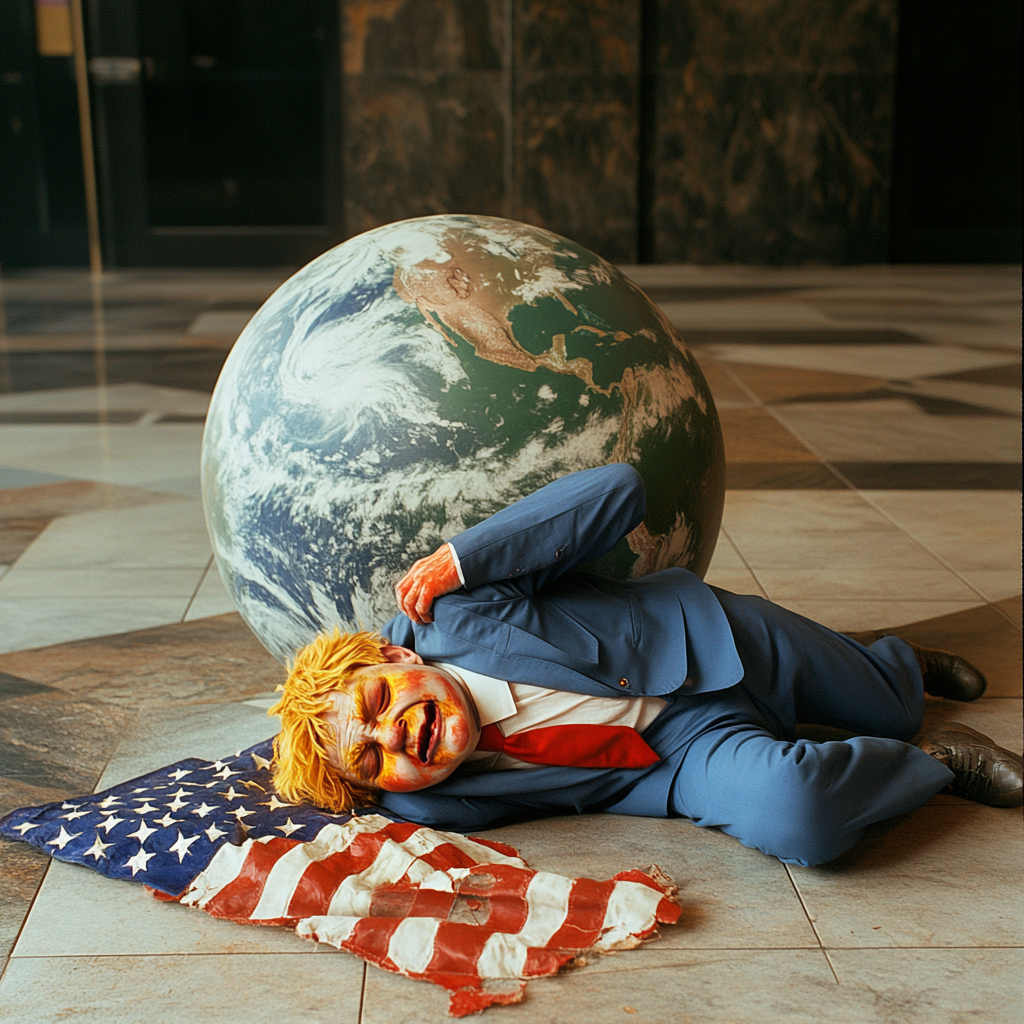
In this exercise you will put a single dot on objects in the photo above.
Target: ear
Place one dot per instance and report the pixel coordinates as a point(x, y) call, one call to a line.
point(396, 655)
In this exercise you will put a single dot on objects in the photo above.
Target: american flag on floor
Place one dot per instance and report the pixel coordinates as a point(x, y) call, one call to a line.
point(464, 913)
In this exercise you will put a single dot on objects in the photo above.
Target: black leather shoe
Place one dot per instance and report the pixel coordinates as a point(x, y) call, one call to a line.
point(948, 675)
point(984, 772)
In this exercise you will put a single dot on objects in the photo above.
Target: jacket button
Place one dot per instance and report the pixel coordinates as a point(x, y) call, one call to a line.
point(623, 682)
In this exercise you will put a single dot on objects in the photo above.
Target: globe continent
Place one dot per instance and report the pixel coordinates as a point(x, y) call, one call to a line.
point(417, 378)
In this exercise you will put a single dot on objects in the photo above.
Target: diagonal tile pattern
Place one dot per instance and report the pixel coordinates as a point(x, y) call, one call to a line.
point(871, 421)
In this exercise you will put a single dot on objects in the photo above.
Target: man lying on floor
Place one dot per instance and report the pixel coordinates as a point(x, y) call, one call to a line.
point(513, 685)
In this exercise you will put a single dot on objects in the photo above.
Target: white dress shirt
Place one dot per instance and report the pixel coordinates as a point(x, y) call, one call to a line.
point(519, 707)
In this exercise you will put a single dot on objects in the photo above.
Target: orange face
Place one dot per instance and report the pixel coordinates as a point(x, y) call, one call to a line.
point(401, 727)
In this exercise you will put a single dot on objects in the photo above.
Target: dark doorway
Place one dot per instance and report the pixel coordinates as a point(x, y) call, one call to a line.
point(42, 202)
point(956, 171)
point(218, 130)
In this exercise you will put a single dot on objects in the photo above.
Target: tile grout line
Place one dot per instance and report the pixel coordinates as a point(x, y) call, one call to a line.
point(862, 495)
point(362, 995)
point(810, 921)
point(195, 593)
point(743, 559)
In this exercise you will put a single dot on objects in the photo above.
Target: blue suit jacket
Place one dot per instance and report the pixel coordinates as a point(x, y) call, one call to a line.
point(527, 614)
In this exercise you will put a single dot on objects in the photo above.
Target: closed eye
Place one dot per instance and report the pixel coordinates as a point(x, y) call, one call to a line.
point(367, 763)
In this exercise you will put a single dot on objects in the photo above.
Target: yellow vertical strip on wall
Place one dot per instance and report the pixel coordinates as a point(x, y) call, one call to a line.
point(53, 28)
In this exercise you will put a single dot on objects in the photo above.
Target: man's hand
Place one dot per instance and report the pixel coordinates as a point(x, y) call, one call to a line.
point(428, 579)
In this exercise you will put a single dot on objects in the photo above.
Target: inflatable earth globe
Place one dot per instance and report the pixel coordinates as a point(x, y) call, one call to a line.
point(419, 377)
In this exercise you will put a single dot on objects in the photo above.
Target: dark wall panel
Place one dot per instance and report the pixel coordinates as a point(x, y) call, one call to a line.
point(772, 130)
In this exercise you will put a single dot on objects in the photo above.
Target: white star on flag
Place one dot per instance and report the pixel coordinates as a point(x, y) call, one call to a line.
point(177, 803)
point(63, 838)
point(142, 833)
point(96, 850)
point(181, 845)
point(203, 809)
point(213, 833)
point(240, 812)
point(75, 814)
point(260, 762)
point(167, 820)
point(25, 826)
point(110, 822)
point(146, 808)
point(289, 827)
point(109, 801)
point(232, 794)
point(178, 775)
point(139, 861)
point(70, 807)
point(225, 773)
point(273, 803)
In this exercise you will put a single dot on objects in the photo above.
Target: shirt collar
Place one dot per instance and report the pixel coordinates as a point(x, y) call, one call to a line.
point(492, 697)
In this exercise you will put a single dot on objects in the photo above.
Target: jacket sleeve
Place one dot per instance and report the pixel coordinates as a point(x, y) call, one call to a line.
point(572, 520)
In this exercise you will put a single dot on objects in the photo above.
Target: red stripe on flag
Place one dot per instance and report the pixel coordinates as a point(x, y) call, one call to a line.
point(320, 881)
point(588, 903)
point(457, 949)
point(448, 856)
point(493, 844)
point(504, 887)
point(238, 899)
point(432, 903)
point(541, 961)
point(370, 939)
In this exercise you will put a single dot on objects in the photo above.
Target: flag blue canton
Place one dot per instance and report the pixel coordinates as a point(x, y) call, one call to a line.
point(164, 828)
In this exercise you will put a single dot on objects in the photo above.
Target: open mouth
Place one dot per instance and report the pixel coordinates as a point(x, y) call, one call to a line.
point(426, 741)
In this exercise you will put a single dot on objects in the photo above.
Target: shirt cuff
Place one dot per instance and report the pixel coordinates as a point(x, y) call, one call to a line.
point(458, 564)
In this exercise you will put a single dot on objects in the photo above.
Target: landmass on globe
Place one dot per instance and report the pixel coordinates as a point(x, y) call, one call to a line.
point(421, 376)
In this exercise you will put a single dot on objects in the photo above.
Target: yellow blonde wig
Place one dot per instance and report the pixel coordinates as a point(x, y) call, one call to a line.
point(302, 770)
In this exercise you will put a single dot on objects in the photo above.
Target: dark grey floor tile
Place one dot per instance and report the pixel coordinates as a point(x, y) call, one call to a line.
point(780, 476)
point(1007, 376)
point(15, 686)
point(47, 418)
point(932, 476)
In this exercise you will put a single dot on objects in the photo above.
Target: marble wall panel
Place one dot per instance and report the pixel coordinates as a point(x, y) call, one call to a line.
point(767, 130)
point(772, 130)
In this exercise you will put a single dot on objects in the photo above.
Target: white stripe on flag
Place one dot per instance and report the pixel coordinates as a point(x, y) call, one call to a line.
point(547, 898)
point(224, 867)
point(355, 893)
point(632, 909)
point(332, 930)
point(280, 883)
point(412, 944)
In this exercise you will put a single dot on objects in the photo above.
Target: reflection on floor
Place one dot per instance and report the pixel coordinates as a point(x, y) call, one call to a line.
point(872, 425)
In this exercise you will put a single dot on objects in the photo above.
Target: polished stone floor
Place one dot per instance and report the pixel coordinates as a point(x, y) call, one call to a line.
point(872, 426)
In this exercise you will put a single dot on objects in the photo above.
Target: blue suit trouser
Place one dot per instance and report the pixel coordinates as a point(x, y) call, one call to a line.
point(742, 768)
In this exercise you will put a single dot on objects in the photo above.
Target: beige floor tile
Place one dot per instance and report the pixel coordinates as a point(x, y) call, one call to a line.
point(970, 529)
point(211, 598)
point(849, 616)
point(736, 581)
point(889, 361)
point(987, 396)
point(727, 393)
point(160, 456)
point(996, 717)
point(41, 621)
point(101, 582)
point(993, 585)
point(78, 912)
point(911, 986)
point(1011, 607)
point(645, 986)
point(742, 313)
point(732, 897)
point(812, 529)
point(896, 430)
point(773, 383)
point(213, 989)
point(726, 556)
point(871, 583)
point(902, 887)
point(982, 336)
point(168, 535)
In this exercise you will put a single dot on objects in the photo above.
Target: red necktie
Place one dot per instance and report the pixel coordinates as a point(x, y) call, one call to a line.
point(573, 746)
